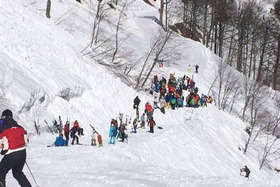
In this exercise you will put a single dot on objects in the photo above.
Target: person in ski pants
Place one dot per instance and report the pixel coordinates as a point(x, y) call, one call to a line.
point(74, 130)
point(13, 138)
point(151, 123)
point(112, 134)
point(67, 131)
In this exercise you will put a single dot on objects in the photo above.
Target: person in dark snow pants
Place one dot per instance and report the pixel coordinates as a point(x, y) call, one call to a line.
point(246, 170)
point(13, 139)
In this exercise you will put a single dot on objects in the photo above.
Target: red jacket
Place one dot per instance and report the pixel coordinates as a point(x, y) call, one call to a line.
point(99, 139)
point(148, 107)
point(66, 128)
point(14, 134)
point(76, 124)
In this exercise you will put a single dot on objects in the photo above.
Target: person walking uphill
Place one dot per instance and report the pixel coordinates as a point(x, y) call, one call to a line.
point(13, 139)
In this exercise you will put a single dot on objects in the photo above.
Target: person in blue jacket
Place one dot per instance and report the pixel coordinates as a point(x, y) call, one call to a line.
point(112, 134)
point(59, 141)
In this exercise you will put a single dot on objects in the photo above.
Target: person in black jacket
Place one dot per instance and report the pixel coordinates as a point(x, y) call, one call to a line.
point(136, 102)
point(74, 130)
point(13, 139)
point(246, 170)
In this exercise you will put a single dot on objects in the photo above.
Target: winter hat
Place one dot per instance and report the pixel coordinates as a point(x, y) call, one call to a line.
point(7, 114)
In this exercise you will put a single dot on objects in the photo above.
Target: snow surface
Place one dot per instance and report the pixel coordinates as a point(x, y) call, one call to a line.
point(44, 75)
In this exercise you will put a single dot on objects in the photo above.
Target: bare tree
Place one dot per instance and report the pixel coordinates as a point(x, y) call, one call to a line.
point(159, 49)
point(255, 96)
point(48, 10)
point(99, 16)
point(268, 149)
point(153, 47)
point(117, 41)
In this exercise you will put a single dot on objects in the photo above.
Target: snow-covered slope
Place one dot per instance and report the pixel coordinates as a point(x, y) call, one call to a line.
point(44, 75)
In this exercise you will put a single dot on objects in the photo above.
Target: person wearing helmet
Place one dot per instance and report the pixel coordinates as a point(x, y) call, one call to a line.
point(13, 139)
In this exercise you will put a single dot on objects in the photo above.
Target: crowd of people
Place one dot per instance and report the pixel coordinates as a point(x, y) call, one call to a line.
point(167, 94)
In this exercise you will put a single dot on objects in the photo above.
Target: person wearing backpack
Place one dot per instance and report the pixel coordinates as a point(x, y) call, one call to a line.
point(151, 124)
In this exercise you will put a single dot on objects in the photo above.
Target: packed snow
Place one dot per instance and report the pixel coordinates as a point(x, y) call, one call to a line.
point(44, 75)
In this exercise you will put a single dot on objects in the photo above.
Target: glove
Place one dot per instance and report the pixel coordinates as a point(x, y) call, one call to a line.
point(3, 152)
point(26, 139)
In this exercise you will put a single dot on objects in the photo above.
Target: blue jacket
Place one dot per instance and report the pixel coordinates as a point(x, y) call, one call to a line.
point(113, 131)
point(156, 88)
point(60, 141)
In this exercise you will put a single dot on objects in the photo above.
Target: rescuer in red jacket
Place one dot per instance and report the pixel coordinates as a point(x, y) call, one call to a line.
point(13, 138)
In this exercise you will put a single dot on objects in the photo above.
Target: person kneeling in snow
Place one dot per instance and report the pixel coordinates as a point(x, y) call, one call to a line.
point(246, 170)
point(59, 141)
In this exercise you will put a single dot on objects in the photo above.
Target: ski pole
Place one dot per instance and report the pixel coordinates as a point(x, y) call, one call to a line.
point(31, 174)
point(2, 184)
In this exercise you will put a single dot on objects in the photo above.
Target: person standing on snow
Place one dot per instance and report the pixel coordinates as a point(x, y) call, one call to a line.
point(143, 121)
point(74, 137)
point(13, 139)
point(151, 123)
point(190, 69)
point(67, 131)
point(80, 130)
point(196, 68)
point(99, 140)
point(162, 105)
point(149, 110)
point(136, 103)
point(134, 123)
point(112, 134)
point(122, 132)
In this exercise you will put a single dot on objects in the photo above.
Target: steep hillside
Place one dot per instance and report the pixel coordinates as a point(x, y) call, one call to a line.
point(44, 75)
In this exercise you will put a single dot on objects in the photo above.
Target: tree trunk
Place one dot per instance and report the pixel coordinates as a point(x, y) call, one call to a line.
point(276, 66)
point(221, 39)
point(205, 23)
point(259, 75)
point(48, 10)
point(161, 12)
